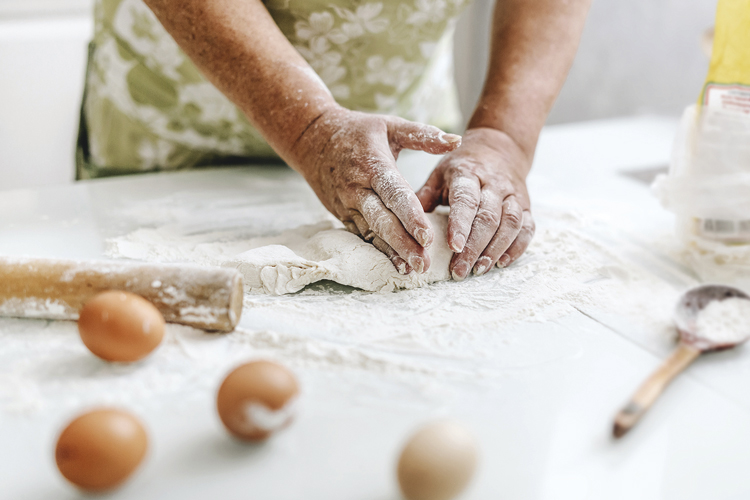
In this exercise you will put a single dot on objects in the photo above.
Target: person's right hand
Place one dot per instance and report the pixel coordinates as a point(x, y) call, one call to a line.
point(349, 159)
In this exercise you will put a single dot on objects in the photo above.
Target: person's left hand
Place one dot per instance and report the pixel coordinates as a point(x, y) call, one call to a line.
point(484, 182)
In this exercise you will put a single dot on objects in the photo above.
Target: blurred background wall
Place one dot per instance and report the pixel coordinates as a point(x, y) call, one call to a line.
point(42, 63)
point(636, 57)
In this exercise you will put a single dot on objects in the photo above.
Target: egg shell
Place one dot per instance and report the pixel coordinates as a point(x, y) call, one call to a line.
point(100, 449)
point(257, 399)
point(120, 326)
point(437, 462)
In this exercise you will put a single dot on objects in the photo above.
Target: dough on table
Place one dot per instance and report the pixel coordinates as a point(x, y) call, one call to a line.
point(299, 258)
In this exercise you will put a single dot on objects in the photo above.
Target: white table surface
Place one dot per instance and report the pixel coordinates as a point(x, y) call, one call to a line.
point(542, 415)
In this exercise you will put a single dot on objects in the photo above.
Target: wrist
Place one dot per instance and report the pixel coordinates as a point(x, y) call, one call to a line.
point(507, 137)
point(522, 125)
point(502, 144)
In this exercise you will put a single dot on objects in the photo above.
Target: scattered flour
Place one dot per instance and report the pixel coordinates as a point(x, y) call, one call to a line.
point(724, 321)
point(35, 308)
point(567, 268)
point(44, 366)
point(259, 416)
point(420, 337)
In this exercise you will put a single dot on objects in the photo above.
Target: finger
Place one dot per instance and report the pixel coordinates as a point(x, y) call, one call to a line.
point(351, 227)
point(344, 216)
point(519, 246)
point(431, 194)
point(483, 228)
point(387, 226)
point(362, 226)
point(510, 226)
point(420, 137)
point(362, 229)
point(464, 196)
point(398, 196)
point(400, 264)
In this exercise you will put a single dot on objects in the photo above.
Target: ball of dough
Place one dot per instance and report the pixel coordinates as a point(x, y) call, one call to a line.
point(257, 399)
point(437, 462)
point(120, 326)
point(100, 449)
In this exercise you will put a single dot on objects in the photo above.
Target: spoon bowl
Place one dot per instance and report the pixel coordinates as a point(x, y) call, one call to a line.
point(689, 306)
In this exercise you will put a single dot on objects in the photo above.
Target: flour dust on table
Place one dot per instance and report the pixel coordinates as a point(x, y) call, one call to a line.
point(415, 341)
point(573, 264)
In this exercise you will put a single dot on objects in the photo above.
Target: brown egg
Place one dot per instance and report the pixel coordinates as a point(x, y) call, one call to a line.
point(100, 449)
point(257, 399)
point(437, 462)
point(120, 326)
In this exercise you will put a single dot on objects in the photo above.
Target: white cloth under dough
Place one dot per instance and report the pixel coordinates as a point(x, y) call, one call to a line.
point(300, 258)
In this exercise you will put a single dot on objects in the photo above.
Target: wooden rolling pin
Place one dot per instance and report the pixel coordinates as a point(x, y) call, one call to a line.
point(207, 298)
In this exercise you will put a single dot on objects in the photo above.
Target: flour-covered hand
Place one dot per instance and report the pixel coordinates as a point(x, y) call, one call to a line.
point(350, 162)
point(484, 182)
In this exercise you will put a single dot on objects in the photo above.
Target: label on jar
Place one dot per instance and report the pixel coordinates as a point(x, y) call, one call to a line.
point(727, 231)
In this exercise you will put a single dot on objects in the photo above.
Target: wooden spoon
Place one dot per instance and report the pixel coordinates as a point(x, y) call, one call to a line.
point(690, 346)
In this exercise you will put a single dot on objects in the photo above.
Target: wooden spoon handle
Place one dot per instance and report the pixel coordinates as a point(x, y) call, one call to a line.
point(647, 393)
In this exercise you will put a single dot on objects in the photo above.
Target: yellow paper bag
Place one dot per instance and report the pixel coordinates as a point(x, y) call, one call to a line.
point(727, 85)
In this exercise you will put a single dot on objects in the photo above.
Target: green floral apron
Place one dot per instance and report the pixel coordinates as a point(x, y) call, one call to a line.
point(146, 107)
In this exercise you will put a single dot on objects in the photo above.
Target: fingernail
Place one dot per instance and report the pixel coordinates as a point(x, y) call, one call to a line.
point(423, 237)
point(417, 263)
point(482, 265)
point(503, 261)
point(369, 236)
point(458, 243)
point(460, 271)
point(451, 138)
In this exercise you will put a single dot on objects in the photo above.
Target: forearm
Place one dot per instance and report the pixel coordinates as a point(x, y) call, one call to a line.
point(533, 45)
point(238, 47)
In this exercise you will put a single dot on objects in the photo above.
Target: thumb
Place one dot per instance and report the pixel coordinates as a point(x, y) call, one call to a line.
point(431, 194)
point(420, 137)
